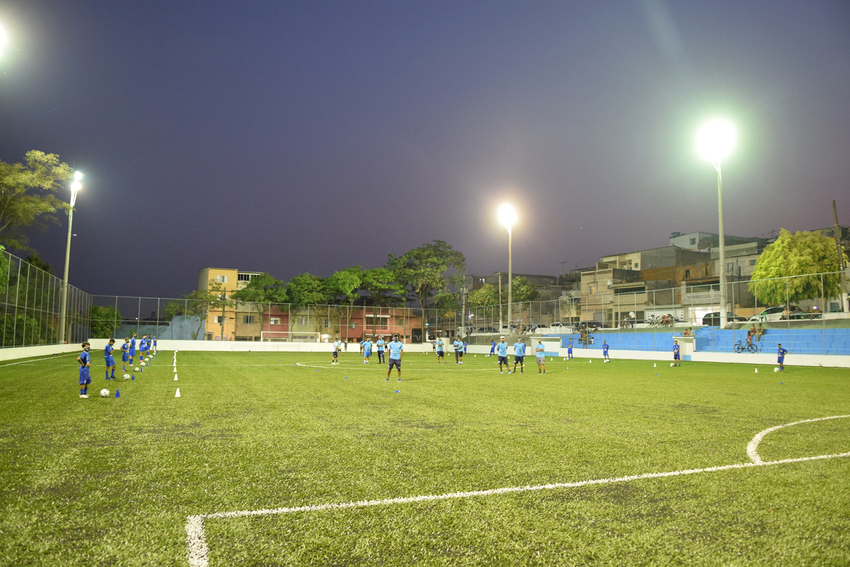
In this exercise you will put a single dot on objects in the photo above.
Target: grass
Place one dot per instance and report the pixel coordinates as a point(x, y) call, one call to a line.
point(112, 481)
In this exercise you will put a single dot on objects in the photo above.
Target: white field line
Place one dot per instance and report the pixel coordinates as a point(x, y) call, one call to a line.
point(752, 447)
point(198, 552)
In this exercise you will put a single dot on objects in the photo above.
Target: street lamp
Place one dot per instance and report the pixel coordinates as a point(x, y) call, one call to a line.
point(63, 309)
point(507, 216)
point(715, 141)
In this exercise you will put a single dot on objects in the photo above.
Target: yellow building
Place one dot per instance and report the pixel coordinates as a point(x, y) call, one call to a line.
point(224, 323)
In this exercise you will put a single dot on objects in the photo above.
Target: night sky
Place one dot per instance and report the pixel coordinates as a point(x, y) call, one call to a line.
point(309, 136)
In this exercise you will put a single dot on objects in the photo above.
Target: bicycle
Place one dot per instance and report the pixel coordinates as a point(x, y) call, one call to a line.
point(741, 346)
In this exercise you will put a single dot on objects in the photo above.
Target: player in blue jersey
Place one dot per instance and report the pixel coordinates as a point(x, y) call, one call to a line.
point(110, 361)
point(337, 348)
point(605, 351)
point(154, 344)
point(570, 350)
point(781, 352)
point(492, 348)
point(366, 347)
point(458, 344)
point(396, 353)
point(441, 353)
point(143, 348)
point(381, 344)
point(519, 355)
point(502, 349)
point(85, 376)
point(540, 351)
point(125, 353)
point(677, 359)
point(132, 348)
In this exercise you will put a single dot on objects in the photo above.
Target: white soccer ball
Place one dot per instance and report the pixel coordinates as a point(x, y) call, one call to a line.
point(142, 364)
point(776, 369)
point(104, 393)
point(137, 369)
point(126, 377)
point(671, 365)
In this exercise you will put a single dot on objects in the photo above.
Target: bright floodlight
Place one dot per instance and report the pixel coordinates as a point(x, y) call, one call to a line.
point(3, 38)
point(78, 175)
point(716, 140)
point(76, 186)
point(507, 215)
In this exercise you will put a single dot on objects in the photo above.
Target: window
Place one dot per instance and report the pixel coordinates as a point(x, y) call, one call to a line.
point(219, 319)
point(274, 321)
point(353, 325)
point(637, 265)
point(592, 289)
point(687, 273)
point(693, 241)
point(247, 319)
point(302, 320)
point(221, 279)
point(245, 277)
point(752, 262)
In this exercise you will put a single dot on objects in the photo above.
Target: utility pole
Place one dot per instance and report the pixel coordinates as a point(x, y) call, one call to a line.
point(841, 265)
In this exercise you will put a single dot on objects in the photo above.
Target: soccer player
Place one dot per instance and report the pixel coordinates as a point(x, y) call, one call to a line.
point(85, 376)
point(540, 350)
point(492, 348)
point(143, 348)
point(458, 351)
point(605, 351)
point(366, 345)
point(110, 361)
point(132, 348)
point(380, 344)
point(781, 358)
point(519, 355)
point(677, 359)
point(502, 348)
point(396, 352)
point(441, 354)
point(570, 350)
point(125, 352)
point(337, 347)
point(154, 344)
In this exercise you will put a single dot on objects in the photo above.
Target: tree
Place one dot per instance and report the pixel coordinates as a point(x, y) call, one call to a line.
point(790, 256)
point(27, 196)
point(104, 321)
point(261, 291)
point(423, 269)
point(198, 304)
point(307, 291)
point(382, 286)
point(484, 296)
point(345, 284)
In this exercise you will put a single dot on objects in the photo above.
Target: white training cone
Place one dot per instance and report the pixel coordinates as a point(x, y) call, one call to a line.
point(590, 361)
point(654, 365)
point(175, 377)
point(757, 371)
point(177, 395)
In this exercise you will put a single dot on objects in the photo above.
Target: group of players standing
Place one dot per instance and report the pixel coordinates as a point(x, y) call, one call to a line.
point(394, 347)
point(128, 353)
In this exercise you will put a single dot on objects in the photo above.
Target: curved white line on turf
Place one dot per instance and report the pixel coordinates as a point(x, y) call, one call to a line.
point(752, 447)
point(198, 552)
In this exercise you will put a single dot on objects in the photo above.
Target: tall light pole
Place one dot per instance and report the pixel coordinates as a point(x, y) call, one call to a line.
point(63, 309)
point(507, 216)
point(716, 140)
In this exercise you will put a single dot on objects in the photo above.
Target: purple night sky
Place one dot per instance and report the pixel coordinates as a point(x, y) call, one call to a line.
point(295, 136)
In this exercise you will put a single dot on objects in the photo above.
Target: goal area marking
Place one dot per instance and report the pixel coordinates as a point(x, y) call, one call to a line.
point(198, 549)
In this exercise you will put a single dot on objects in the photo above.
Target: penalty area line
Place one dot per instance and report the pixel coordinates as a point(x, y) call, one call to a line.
point(198, 552)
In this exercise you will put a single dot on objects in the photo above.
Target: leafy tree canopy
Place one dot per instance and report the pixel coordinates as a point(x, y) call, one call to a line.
point(344, 284)
point(801, 254)
point(423, 270)
point(484, 296)
point(262, 289)
point(104, 321)
point(307, 289)
point(198, 304)
point(27, 196)
point(382, 286)
point(522, 290)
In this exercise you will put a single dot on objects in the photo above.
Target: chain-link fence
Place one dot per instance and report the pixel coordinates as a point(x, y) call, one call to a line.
point(31, 307)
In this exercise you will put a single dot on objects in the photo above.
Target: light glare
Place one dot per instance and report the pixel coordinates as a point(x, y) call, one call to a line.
point(716, 140)
point(507, 215)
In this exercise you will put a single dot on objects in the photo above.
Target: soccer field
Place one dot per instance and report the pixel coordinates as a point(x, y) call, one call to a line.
point(283, 459)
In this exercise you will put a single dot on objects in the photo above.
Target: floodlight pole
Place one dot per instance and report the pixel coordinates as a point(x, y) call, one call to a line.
point(63, 306)
point(722, 243)
point(510, 277)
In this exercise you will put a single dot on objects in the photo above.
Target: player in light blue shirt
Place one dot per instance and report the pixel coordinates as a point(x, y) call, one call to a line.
point(519, 355)
point(337, 348)
point(380, 344)
point(441, 353)
point(367, 350)
point(540, 350)
point(396, 352)
point(85, 376)
point(502, 349)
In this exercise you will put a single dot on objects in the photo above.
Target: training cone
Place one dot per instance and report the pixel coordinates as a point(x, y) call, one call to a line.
point(134, 376)
point(175, 377)
point(590, 361)
point(177, 395)
point(117, 393)
point(654, 365)
point(757, 371)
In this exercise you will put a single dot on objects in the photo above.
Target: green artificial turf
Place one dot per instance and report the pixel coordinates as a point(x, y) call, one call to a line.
point(113, 481)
